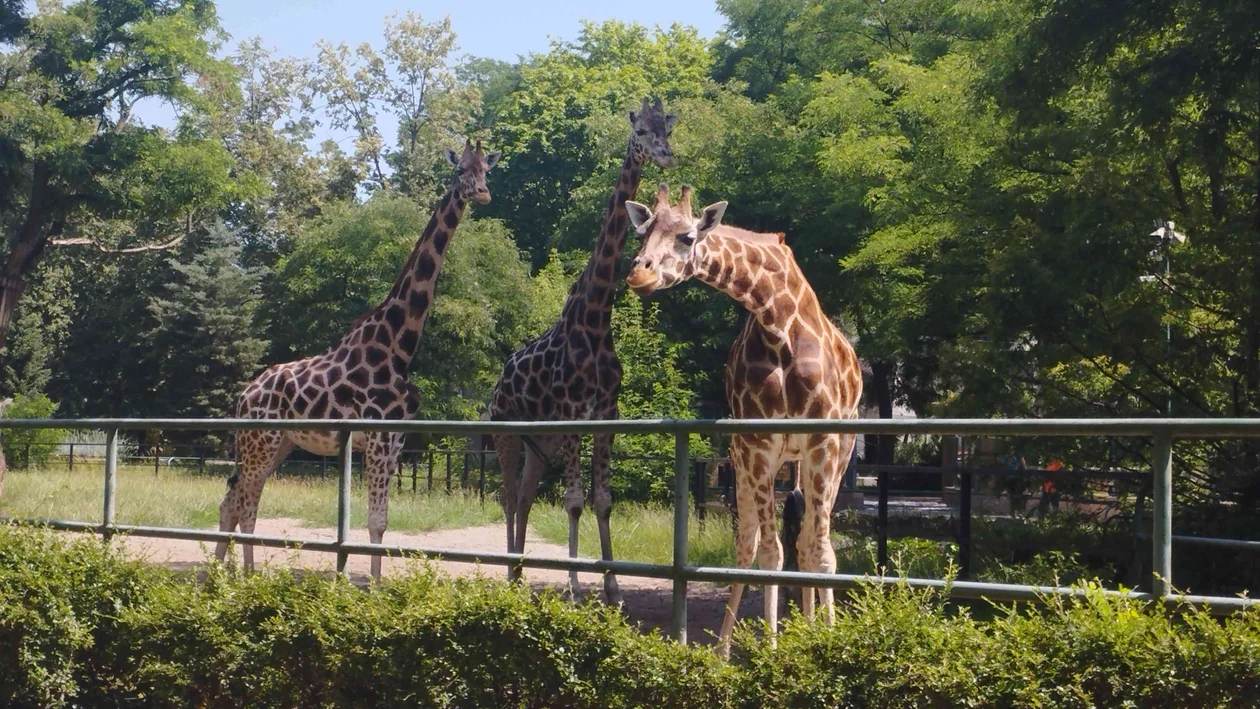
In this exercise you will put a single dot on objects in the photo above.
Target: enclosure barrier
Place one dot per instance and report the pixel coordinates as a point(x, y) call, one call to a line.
point(1162, 431)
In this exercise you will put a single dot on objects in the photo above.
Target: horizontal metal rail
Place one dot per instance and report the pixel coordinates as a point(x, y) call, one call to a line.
point(1144, 427)
point(1162, 431)
point(713, 574)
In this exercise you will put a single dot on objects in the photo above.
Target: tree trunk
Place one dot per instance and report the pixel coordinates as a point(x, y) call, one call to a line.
point(883, 400)
point(27, 247)
point(3, 469)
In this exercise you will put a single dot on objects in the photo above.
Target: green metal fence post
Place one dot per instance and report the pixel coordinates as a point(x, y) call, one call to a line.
point(343, 497)
point(681, 510)
point(1161, 571)
point(111, 481)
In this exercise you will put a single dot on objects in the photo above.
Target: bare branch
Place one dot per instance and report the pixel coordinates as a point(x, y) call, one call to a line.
point(170, 243)
point(84, 241)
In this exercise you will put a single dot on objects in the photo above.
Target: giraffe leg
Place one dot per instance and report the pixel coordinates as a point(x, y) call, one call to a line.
point(508, 450)
point(750, 529)
point(574, 500)
point(827, 562)
point(380, 458)
point(601, 492)
point(528, 490)
point(260, 453)
point(770, 557)
point(824, 470)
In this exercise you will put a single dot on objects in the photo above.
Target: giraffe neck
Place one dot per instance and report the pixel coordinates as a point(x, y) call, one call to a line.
point(763, 277)
point(595, 287)
point(397, 323)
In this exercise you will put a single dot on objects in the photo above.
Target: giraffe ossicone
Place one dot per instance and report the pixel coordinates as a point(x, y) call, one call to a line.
point(790, 361)
point(571, 372)
point(363, 376)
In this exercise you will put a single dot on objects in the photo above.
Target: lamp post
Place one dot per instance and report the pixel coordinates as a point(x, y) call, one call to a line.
point(1165, 234)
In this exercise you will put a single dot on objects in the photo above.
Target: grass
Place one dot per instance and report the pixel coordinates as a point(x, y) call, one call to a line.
point(176, 498)
point(179, 499)
point(641, 533)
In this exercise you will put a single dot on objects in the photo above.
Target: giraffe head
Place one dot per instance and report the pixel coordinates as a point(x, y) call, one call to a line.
point(649, 137)
point(670, 238)
point(471, 167)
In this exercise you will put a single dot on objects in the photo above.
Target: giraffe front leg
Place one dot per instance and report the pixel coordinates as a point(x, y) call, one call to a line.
point(745, 549)
point(574, 500)
point(601, 492)
point(381, 458)
point(839, 464)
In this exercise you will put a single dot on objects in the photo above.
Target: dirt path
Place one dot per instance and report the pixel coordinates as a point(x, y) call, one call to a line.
point(647, 601)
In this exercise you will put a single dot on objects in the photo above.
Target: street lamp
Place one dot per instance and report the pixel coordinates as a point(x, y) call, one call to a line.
point(1165, 234)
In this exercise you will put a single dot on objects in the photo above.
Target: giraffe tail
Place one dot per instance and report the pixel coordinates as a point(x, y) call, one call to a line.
point(235, 453)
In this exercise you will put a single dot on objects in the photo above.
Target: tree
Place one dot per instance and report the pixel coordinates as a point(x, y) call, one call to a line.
point(563, 130)
point(71, 156)
point(204, 328)
point(413, 78)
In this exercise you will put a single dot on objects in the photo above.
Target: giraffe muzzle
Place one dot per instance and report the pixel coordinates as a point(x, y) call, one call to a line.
point(641, 280)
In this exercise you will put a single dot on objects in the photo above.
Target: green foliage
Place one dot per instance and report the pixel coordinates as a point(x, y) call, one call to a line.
point(564, 128)
point(411, 77)
point(39, 442)
point(204, 325)
point(81, 627)
point(652, 386)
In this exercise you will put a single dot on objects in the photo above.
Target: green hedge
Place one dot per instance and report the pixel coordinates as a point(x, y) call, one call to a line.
point(79, 626)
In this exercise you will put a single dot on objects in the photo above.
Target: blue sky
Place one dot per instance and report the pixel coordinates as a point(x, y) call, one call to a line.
point(502, 29)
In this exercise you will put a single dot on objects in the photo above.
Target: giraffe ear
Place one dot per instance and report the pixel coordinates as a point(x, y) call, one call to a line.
point(491, 160)
point(640, 217)
point(452, 158)
point(670, 120)
point(710, 218)
point(633, 117)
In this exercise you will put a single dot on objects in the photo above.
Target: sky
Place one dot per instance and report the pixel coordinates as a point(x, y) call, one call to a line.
point(499, 29)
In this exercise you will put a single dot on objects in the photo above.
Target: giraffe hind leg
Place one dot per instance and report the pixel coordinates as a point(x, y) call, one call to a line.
point(381, 456)
point(530, 479)
point(574, 500)
point(508, 450)
point(261, 452)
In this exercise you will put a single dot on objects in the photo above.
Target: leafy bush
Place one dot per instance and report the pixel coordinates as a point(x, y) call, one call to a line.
point(79, 626)
point(41, 442)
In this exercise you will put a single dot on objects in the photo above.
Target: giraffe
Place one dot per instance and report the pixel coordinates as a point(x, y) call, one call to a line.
point(572, 372)
point(789, 361)
point(363, 376)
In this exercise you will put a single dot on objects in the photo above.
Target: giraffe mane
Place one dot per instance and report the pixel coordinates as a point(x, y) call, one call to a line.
point(776, 238)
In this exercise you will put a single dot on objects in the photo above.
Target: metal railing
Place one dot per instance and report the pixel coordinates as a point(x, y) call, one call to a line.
point(1162, 431)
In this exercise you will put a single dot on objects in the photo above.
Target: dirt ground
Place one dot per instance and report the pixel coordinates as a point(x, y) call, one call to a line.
point(648, 602)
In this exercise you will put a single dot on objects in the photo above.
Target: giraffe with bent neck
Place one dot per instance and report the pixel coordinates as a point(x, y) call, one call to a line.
point(572, 373)
point(789, 361)
point(363, 376)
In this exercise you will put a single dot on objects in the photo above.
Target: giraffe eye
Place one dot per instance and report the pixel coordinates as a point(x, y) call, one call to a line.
point(686, 237)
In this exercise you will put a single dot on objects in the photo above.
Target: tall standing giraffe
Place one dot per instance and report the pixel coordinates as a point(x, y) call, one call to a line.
point(790, 361)
point(363, 376)
point(572, 372)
